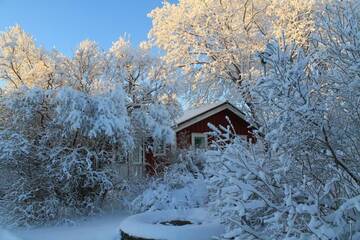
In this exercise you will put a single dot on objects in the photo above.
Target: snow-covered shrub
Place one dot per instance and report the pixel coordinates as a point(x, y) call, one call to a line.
point(182, 186)
point(242, 190)
point(65, 130)
point(301, 180)
point(257, 196)
point(53, 145)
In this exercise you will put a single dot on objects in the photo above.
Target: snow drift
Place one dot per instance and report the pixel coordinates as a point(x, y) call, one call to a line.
point(149, 225)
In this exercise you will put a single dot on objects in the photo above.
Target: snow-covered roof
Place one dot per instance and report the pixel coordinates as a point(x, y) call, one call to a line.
point(191, 113)
point(196, 113)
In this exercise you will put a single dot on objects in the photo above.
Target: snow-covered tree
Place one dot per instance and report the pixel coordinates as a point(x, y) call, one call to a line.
point(58, 146)
point(211, 42)
point(293, 20)
point(214, 44)
point(151, 100)
point(61, 139)
point(22, 62)
point(303, 183)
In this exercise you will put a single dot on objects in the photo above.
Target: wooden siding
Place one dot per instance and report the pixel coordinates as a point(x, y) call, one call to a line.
point(155, 165)
point(183, 137)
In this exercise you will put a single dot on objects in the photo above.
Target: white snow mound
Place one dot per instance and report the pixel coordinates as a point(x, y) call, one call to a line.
point(148, 225)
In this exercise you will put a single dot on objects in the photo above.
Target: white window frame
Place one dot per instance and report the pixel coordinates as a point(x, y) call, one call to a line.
point(194, 135)
point(163, 149)
point(119, 158)
point(139, 160)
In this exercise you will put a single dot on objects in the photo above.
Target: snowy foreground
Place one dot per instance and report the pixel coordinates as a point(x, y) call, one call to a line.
point(146, 225)
point(98, 228)
point(157, 225)
point(5, 235)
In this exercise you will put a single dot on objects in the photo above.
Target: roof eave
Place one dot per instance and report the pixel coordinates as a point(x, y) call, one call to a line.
point(179, 126)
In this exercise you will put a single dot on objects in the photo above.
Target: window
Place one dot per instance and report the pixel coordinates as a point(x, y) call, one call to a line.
point(118, 155)
point(120, 158)
point(159, 148)
point(199, 140)
point(137, 155)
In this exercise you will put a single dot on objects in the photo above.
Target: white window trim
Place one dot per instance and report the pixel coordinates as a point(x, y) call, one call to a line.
point(120, 158)
point(139, 161)
point(194, 135)
point(162, 152)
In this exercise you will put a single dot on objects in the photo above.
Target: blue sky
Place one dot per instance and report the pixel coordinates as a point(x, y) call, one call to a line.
point(64, 23)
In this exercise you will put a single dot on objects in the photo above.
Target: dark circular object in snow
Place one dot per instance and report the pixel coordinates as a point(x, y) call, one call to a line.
point(176, 223)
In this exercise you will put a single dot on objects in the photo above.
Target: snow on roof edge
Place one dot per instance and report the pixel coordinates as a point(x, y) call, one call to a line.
point(191, 113)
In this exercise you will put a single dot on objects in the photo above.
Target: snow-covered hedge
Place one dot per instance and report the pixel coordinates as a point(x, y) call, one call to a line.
point(182, 186)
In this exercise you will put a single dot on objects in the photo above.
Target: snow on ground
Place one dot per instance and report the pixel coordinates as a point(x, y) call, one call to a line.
point(107, 227)
point(97, 228)
point(5, 235)
point(148, 225)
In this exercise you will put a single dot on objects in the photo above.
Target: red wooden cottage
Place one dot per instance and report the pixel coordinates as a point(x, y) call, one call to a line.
point(192, 131)
point(192, 128)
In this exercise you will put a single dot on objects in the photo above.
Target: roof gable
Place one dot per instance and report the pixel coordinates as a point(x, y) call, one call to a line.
point(193, 116)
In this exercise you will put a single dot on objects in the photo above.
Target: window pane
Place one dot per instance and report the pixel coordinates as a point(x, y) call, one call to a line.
point(199, 142)
point(137, 155)
point(159, 148)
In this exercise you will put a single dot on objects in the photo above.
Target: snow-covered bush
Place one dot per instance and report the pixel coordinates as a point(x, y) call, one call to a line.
point(53, 145)
point(181, 187)
point(65, 130)
point(257, 196)
point(301, 179)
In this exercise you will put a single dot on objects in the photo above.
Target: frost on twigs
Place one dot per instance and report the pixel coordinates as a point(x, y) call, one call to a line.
point(181, 187)
point(67, 124)
point(257, 196)
point(301, 179)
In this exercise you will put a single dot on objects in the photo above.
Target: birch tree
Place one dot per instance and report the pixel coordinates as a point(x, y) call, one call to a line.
point(214, 44)
point(22, 62)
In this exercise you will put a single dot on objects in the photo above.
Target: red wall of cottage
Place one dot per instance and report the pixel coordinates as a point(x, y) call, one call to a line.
point(183, 137)
point(150, 162)
point(155, 165)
